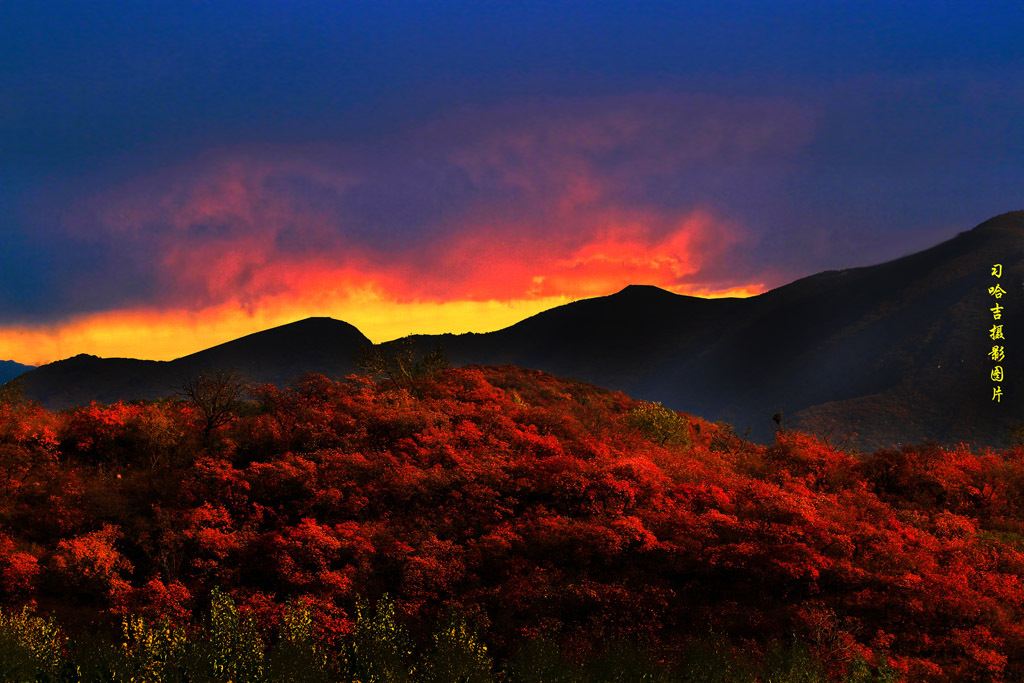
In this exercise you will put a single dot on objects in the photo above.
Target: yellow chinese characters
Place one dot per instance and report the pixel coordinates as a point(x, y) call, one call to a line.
point(998, 353)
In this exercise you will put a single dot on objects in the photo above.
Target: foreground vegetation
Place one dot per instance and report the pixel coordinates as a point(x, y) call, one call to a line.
point(500, 518)
point(230, 647)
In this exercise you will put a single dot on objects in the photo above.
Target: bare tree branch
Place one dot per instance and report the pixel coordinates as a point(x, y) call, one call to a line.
point(215, 395)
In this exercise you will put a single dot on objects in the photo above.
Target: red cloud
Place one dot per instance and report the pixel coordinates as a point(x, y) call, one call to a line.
point(542, 200)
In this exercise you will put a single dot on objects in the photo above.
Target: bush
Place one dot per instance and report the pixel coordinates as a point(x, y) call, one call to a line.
point(299, 656)
point(457, 655)
point(31, 647)
point(660, 424)
point(381, 649)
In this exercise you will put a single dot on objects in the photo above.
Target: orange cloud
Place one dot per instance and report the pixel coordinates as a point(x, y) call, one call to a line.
point(617, 247)
point(381, 303)
point(469, 224)
point(487, 285)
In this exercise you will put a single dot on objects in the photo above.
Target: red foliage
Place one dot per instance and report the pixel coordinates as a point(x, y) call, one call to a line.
point(527, 499)
point(91, 564)
point(18, 572)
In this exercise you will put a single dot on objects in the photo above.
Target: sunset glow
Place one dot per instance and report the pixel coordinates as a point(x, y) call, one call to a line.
point(233, 244)
point(173, 179)
point(166, 335)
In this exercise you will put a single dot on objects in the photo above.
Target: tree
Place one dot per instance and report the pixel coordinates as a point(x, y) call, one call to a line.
point(215, 396)
point(400, 361)
point(661, 425)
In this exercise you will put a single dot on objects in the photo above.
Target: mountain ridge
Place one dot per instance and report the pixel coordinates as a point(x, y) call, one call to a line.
point(10, 369)
point(324, 344)
point(904, 336)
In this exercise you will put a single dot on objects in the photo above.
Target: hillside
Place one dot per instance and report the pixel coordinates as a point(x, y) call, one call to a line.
point(530, 503)
point(893, 353)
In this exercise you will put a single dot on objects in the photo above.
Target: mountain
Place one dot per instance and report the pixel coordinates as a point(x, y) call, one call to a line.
point(886, 354)
point(275, 355)
point(9, 370)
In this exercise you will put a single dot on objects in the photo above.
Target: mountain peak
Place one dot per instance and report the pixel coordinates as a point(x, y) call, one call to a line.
point(639, 289)
point(646, 292)
point(10, 369)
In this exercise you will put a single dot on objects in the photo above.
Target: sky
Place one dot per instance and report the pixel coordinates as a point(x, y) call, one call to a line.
point(174, 175)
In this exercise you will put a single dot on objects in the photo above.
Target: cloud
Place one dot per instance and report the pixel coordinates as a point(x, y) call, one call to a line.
point(520, 187)
point(544, 200)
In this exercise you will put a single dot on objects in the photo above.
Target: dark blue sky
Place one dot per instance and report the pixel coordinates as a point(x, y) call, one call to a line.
point(206, 157)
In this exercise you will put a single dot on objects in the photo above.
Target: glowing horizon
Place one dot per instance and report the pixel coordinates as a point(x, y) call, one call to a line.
point(176, 179)
point(166, 335)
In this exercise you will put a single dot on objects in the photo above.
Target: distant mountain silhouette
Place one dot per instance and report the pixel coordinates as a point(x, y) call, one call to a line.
point(275, 355)
point(9, 370)
point(892, 353)
point(896, 352)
